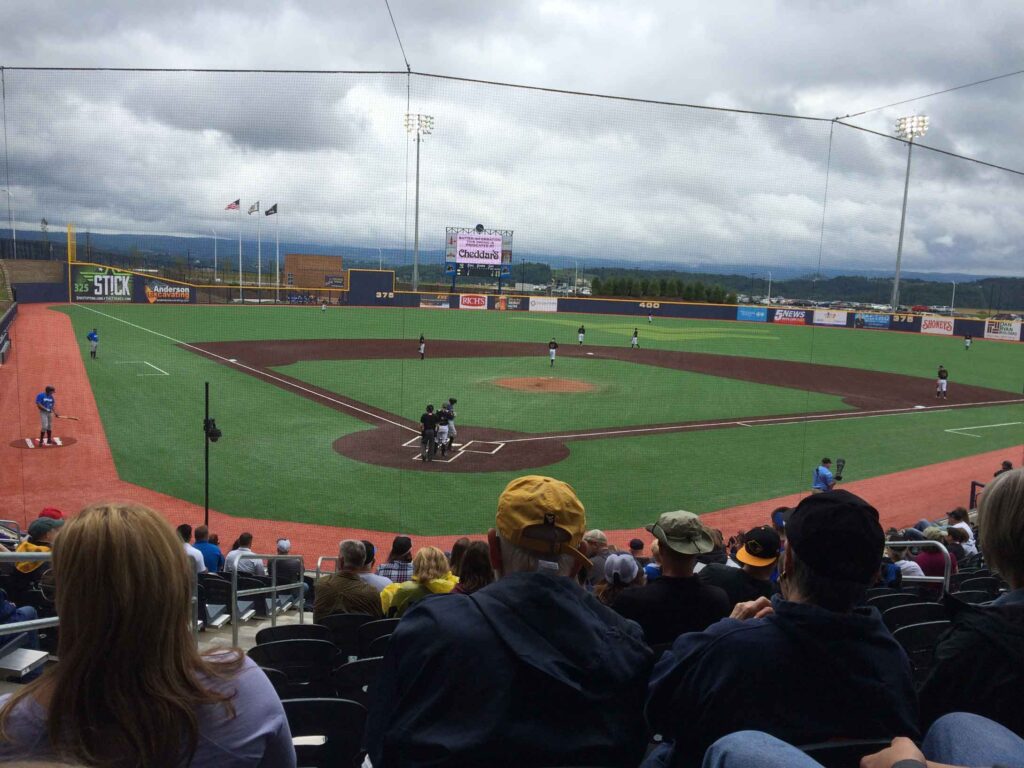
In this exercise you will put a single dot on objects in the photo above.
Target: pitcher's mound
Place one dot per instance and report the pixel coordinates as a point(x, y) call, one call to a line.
point(543, 384)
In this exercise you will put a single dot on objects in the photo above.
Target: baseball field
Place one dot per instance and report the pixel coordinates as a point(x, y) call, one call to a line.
point(319, 410)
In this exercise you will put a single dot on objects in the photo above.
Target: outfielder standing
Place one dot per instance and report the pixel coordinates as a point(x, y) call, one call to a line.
point(423, 346)
point(552, 351)
point(967, 342)
point(634, 343)
point(47, 410)
point(94, 341)
point(581, 333)
point(942, 379)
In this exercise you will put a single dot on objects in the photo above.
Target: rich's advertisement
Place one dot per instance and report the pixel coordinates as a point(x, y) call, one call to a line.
point(472, 301)
point(830, 317)
point(752, 314)
point(1007, 330)
point(790, 316)
point(437, 301)
point(159, 292)
point(101, 284)
point(543, 304)
point(942, 326)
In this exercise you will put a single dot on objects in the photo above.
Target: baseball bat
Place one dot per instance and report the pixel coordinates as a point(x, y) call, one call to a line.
point(72, 418)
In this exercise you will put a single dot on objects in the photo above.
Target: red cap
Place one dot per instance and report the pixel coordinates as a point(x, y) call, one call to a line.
point(56, 514)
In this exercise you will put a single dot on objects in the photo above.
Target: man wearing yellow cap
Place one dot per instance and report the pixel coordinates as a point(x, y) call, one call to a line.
point(531, 670)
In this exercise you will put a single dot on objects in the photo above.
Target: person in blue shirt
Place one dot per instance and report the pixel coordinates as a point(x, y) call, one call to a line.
point(823, 479)
point(212, 555)
point(45, 403)
point(94, 341)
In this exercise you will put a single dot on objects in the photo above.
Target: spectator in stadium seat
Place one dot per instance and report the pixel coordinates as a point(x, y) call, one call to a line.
point(758, 557)
point(529, 671)
point(476, 570)
point(345, 591)
point(959, 518)
point(131, 688)
point(1006, 466)
point(931, 560)
point(366, 572)
point(431, 575)
point(826, 669)
point(621, 572)
point(398, 568)
point(290, 571)
point(28, 573)
point(194, 555)
point(718, 555)
point(458, 550)
point(652, 570)
point(901, 556)
point(595, 547)
point(957, 538)
point(636, 549)
point(212, 555)
point(247, 566)
point(979, 663)
point(677, 601)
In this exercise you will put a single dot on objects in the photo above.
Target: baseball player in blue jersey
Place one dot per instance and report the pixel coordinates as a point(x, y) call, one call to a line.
point(46, 405)
point(94, 341)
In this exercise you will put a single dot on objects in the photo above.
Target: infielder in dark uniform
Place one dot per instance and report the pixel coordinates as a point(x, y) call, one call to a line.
point(423, 346)
point(941, 382)
point(581, 333)
point(552, 351)
point(47, 410)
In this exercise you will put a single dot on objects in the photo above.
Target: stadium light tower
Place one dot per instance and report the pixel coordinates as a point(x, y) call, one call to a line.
point(421, 125)
point(908, 128)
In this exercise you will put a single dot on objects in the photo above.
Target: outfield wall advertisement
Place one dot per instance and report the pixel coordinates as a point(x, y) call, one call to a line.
point(438, 301)
point(935, 324)
point(871, 320)
point(472, 301)
point(159, 292)
point(503, 303)
point(830, 317)
point(543, 304)
point(1006, 330)
point(790, 316)
point(752, 314)
point(101, 284)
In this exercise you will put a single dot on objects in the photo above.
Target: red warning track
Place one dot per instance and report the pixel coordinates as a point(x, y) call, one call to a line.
point(45, 351)
point(392, 444)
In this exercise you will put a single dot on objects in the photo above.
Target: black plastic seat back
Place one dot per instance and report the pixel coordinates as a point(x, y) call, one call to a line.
point(344, 629)
point(371, 631)
point(913, 613)
point(919, 641)
point(988, 584)
point(355, 679)
point(884, 602)
point(339, 722)
point(974, 596)
point(293, 632)
point(306, 663)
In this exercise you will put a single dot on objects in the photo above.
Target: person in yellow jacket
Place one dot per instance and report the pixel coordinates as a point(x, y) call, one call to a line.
point(431, 575)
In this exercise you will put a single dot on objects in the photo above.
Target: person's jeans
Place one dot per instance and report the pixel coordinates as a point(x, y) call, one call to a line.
point(956, 739)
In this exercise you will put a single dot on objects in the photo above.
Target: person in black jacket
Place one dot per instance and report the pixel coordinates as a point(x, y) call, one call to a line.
point(979, 662)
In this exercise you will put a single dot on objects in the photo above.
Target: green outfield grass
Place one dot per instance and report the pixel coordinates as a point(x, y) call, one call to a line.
point(624, 394)
point(276, 459)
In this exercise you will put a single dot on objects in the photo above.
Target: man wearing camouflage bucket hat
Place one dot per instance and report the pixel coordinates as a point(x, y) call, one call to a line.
point(530, 670)
point(677, 601)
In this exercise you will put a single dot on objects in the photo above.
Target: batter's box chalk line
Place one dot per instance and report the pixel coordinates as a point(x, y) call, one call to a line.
point(461, 448)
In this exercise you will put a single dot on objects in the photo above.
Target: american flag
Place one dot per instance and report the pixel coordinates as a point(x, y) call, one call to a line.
point(233, 206)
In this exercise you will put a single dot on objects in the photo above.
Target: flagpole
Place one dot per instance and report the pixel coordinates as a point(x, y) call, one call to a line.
point(277, 257)
point(240, 300)
point(259, 258)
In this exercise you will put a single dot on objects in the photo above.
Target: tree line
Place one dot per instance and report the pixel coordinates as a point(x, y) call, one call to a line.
point(661, 288)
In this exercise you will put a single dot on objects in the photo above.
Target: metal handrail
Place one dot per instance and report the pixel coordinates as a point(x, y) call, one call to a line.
point(326, 559)
point(947, 562)
point(274, 589)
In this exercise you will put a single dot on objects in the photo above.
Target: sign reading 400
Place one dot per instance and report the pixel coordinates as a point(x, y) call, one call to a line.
point(101, 284)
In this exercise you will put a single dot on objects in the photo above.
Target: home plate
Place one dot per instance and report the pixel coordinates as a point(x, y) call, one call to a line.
point(590, 353)
point(919, 407)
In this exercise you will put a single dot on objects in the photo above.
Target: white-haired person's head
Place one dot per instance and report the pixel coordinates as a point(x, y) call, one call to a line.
point(538, 528)
point(1001, 526)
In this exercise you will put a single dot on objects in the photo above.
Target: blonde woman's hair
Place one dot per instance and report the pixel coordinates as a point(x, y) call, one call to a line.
point(1001, 526)
point(128, 685)
point(429, 564)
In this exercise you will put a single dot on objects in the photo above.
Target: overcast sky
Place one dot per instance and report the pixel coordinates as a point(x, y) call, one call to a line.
point(576, 176)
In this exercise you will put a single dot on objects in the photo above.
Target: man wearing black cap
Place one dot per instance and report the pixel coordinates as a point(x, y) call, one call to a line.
point(805, 666)
point(757, 556)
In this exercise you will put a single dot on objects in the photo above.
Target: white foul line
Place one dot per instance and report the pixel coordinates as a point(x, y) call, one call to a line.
point(265, 374)
point(162, 371)
point(965, 431)
point(767, 422)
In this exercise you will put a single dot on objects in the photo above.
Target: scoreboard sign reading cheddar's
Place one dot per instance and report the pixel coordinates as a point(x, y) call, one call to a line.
point(101, 284)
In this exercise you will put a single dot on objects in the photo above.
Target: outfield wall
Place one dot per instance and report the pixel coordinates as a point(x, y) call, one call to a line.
point(94, 283)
